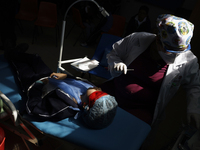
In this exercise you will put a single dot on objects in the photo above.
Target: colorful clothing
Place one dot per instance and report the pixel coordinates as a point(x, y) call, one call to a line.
point(52, 101)
point(75, 88)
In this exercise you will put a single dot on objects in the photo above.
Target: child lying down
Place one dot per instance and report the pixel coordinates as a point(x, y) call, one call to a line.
point(55, 96)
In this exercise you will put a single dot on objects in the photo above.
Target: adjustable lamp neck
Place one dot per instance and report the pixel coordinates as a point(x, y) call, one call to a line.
point(101, 9)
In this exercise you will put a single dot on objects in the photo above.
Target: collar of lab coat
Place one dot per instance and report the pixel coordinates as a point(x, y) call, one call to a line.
point(183, 58)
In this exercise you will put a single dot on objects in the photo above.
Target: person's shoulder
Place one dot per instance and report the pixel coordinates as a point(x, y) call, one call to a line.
point(143, 34)
point(190, 55)
point(143, 38)
point(186, 57)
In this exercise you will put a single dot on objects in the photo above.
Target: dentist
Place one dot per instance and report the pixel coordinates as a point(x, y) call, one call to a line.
point(162, 63)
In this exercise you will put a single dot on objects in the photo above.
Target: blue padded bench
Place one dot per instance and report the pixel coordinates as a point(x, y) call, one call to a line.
point(126, 132)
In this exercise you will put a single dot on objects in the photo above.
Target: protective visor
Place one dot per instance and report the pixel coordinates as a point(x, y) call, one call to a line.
point(172, 51)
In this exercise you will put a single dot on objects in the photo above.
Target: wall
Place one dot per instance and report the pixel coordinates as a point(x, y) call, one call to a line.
point(194, 18)
point(131, 7)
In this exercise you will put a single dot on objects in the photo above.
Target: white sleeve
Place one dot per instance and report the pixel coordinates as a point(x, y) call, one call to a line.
point(128, 49)
point(118, 54)
point(192, 86)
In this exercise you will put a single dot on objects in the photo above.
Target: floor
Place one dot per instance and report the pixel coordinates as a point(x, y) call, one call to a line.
point(45, 46)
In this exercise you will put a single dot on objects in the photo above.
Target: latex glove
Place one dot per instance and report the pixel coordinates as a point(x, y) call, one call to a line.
point(194, 118)
point(120, 67)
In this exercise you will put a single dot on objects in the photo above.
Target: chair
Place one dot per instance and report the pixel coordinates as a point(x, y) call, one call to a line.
point(76, 16)
point(47, 17)
point(118, 26)
point(28, 11)
point(103, 48)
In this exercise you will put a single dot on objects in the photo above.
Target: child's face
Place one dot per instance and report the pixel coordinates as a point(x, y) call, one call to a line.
point(85, 98)
point(91, 90)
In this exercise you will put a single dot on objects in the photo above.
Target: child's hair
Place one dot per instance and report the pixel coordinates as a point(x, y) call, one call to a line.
point(102, 113)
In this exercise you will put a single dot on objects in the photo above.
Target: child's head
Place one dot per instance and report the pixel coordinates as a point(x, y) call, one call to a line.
point(101, 109)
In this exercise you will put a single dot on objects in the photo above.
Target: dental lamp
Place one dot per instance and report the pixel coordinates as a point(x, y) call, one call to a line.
point(60, 62)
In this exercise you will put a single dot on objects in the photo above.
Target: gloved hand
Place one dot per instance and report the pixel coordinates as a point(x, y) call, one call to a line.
point(120, 67)
point(194, 118)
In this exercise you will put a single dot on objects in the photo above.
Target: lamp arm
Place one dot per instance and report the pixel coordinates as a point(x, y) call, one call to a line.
point(101, 9)
point(77, 2)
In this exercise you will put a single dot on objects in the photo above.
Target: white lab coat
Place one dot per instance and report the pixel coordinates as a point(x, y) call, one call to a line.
point(184, 71)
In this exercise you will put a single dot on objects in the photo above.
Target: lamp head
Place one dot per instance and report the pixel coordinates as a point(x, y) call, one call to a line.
point(103, 12)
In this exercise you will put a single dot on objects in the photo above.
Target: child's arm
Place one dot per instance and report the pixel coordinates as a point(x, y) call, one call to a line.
point(59, 76)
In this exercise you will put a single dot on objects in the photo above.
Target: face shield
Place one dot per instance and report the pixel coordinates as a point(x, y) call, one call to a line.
point(177, 51)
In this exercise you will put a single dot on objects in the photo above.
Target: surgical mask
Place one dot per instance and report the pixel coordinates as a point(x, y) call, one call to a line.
point(168, 58)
